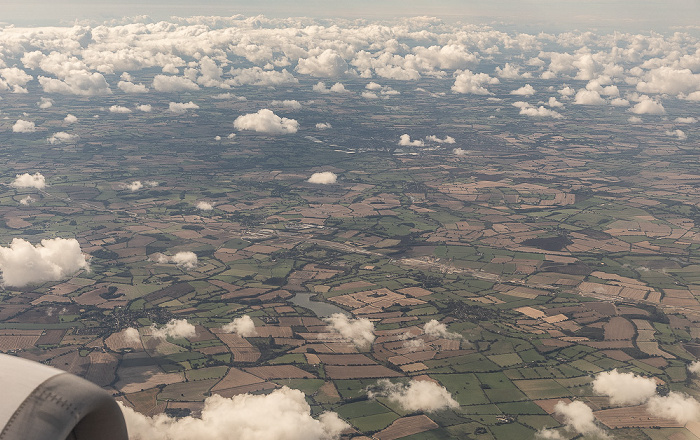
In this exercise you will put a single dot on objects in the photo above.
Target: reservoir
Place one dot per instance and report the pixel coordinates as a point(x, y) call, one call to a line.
point(321, 309)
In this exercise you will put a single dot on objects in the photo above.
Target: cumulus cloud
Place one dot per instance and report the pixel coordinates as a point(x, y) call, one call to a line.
point(588, 97)
point(548, 434)
point(146, 108)
point(554, 103)
point(414, 344)
point(669, 80)
point(181, 107)
point(624, 388)
point(323, 178)
point(327, 64)
point(447, 140)
point(635, 119)
point(405, 141)
point(688, 120)
point(323, 126)
point(175, 328)
point(259, 77)
point(675, 405)
point(288, 103)
point(436, 329)
point(54, 259)
point(133, 186)
point(417, 395)
point(694, 367)
point(185, 259)
point(467, 81)
point(647, 106)
point(26, 180)
point(320, 87)
point(129, 87)
point(243, 417)
point(579, 417)
point(70, 119)
point(526, 90)
point(509, 71)
point(204, 206)
point(45, 103)
point(173, 84)
point(538, 112)
point(243, 327)
point(78, 83)
point(22, 126)
point(131, 335)
point(369, 95)
point(265, 121)
point(359, 331)
point(61, 137)
point(459, 152)
point(119, 109)
point(678, 134)
point(26, 200)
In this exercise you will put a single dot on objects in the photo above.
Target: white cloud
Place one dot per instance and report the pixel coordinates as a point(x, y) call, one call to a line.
point(26, 200)
point(436, 329)
point(180, 108)
point(22, 126)
point(265, 121)
point(185, 259)
point(688, 120)
point(635, 119)
point(77, 83)
point(175, 328)
point(373, 86)
point(119, 109)
point(359, 331)
point(426, 396)
point(146, 108)
point(468, 82)
point(61, 137)
point(70, 119)
point(679, 134)
point(695, 96)
point(648, 107)
point(45, 103)
point(284, 414)
point(459, 152)
point(675, 405)
point(259, 77)
point(327, 64)
point(243, 327)
point(288, 103)
point(323, 126)
point(369, 95)
point(320, 87)
point(548, 434)
point(129, 87)
point(131, 335)
point(624, 388)
point(553, 103)
point(579, 417)
point(526, 90)
point(133, 186)
point(619, 102)
point(669, 80)
point(539, 112)
point(172, 84)
point(323, 178)
point(414, 345)
point(405, 141)
point(54, 259)
point(588, 97)
point(566, 91)
point(204, 206)
point(26, 180)
point(508, 71)
point(694, 367)
point(447, 140)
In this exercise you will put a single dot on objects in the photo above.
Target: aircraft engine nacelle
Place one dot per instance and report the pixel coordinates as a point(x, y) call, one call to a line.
point(42, 403)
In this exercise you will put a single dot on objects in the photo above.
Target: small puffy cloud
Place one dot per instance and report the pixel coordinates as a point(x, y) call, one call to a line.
point(675, 405)
point(647, 106)
point(129, 87)
point(133, 186)
point(588, 97)
point(526, 90)
point(320, 87)
point(369, 95)
point(459, 152)
point(146, 108)
point(553, 103)
point(328, 64)
point(173, 84)
point(244, 417)
point(694, 367)
point(45, 103)
point(624, 388)
point(619, 102)
point(447, 140)
point(405, 141)
point(373, 86)
point(323, 178)
point(231, 136)
point(131, 335)
point(679, 134)
point(26, 180)
point(634, 119)
point(436, 329)
point(26, 200)
point(539, 112)
point(468, 82)
point(175, 328)
point(119, 109)
point(79, 83)
point(688, 120)
point(243, 327)
point(508, 71)
point(265, 121)
point(70, 119)
point(61, 137)
point(579, 417)
point(323, 126)
point(566, 91)
point(669, 80)
point(182, 107)
point(695, 96)
point(259, 77)
point(22, 126)
point(359, 331)
point(288, 103)
point(414, 345)
point(426, 396)
point(185, 259)
point(54, 259)
point(548, 434)
point(204, 206)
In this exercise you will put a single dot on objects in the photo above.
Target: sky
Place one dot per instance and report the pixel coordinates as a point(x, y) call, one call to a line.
point(545, 14)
